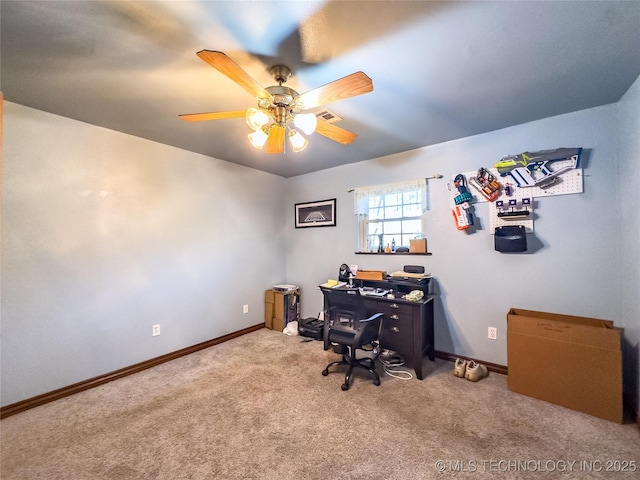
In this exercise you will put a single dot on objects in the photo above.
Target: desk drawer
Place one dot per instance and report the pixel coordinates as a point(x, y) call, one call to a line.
point(397, 328)
point(397, 309)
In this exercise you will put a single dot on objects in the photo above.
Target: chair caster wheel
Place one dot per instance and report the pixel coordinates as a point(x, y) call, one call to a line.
point(376, 383)
point(344, 387)
point(325, 372)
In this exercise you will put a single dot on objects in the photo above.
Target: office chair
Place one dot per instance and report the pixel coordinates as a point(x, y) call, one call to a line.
point(347, 328)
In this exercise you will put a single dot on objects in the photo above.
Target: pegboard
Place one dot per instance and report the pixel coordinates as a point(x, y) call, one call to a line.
point(569, 182)
point(520, 197)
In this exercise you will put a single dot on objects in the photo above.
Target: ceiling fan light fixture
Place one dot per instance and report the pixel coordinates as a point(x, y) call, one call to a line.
point(298, 142)
point(307, 122)
point(258, 138)
point(256, 119)
point(279, 107)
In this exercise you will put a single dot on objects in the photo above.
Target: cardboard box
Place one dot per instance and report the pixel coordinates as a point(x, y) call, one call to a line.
point(269, 308)
point(575, 362)
point(370, 274)
point(280, 308)
point(418, 246)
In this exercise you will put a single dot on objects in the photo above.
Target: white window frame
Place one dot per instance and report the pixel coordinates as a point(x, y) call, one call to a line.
point(372, 207)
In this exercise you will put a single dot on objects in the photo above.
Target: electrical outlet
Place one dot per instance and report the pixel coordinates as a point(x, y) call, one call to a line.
point(245, 309)
point(492, 333)
point(156, 330)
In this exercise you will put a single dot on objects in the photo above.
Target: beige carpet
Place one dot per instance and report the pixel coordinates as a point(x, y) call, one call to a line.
point(257, 407)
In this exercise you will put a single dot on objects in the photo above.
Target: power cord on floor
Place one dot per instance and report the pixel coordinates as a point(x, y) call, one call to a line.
point(390, 364)
point(391, 361)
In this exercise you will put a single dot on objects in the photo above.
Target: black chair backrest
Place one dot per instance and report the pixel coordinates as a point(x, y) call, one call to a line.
point(347, 302)
point(346, 321)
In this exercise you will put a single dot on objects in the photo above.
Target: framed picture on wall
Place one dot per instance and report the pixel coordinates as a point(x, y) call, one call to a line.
point(316, 214)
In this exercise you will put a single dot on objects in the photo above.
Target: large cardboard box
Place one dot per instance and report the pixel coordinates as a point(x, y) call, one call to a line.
point(575, 362)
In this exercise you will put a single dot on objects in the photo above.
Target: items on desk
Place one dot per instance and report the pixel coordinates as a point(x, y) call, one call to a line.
point(344, 273)
point(414, 276)
point(370, 275)
point(347, 274)
point(414, 296)
point(333, 284)
point(413, 268)
point(373, 292)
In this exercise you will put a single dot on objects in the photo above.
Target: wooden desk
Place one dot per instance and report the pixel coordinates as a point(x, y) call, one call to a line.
point(407, 328)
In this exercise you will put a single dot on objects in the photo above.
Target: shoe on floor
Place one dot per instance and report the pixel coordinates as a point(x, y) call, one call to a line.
point(475, 371)
point(460, 367)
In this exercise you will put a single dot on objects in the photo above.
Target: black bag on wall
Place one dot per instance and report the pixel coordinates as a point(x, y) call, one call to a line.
point(511, 239)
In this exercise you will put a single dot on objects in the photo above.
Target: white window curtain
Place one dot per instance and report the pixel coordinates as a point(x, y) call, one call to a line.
point(361, 194)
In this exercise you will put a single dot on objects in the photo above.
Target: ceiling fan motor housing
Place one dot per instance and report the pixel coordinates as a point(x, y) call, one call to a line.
point(280, 114)
point(281, 73)
point(283, 106)
point(282, 95)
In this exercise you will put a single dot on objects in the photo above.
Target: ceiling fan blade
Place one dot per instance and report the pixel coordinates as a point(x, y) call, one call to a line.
point(197, 117)
point(345, 87)
point(231, 69)
point(275, 140)
point(335, 133)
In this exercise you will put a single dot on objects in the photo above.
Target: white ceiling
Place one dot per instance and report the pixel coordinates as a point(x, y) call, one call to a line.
point(440, 70)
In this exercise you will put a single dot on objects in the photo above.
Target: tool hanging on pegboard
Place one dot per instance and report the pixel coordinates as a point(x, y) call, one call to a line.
point(460, 199)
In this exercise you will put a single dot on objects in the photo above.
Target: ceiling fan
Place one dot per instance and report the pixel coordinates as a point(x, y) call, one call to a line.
point(279, 113)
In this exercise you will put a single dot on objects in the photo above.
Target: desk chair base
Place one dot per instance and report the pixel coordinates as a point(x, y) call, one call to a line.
point(350, 360)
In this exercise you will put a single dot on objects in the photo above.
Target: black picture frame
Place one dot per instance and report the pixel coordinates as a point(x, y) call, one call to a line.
point(321, 213)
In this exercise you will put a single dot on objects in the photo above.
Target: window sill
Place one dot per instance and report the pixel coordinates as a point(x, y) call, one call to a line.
point(392, 253)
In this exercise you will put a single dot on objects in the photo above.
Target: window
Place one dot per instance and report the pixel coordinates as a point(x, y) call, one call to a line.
point(390, 213)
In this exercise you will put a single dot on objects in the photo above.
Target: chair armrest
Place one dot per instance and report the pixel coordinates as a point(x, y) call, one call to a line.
point(367, 327)
point(372, 318)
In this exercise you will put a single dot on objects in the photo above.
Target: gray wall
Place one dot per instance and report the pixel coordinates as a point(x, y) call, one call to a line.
point(105, 234)
point(576, 265)
point(629, 274)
